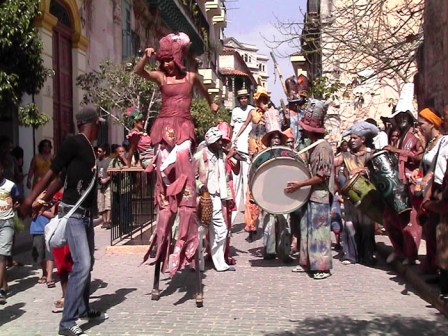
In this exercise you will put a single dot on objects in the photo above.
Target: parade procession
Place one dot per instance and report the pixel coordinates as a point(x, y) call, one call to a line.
point(159, 175)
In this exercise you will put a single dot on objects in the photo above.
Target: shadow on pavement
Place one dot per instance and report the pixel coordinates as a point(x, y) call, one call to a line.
point(106, 302)
point(97, 284)
point(10, 313)
point(184, 282)
point(378, 325)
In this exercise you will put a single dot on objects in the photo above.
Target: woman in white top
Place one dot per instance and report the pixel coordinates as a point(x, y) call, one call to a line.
point(429, 125)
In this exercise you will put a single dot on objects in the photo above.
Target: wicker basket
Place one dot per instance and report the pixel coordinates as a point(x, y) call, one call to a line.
point(205, 209)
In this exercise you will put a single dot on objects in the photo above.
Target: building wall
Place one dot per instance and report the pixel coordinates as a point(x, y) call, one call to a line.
point(355, 101)
point(434, 68)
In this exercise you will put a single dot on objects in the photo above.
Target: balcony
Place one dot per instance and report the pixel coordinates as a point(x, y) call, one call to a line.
point(209, 78)
point(218, 87)
point(220, 21)
point(213, 8)
point(178, 17)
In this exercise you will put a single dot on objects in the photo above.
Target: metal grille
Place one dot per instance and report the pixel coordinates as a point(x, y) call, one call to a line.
point(132, 205)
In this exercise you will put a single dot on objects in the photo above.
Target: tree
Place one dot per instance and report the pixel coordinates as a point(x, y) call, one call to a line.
point(203, 118)
point(350, 36)
point(114, 88)
point(21, 65)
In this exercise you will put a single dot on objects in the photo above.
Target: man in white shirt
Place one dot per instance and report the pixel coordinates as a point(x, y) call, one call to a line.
point(381, 140)
point(210, 171)
point(239, 116)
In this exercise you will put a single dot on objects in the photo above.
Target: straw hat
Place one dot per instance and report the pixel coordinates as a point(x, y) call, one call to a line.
point(242, 93)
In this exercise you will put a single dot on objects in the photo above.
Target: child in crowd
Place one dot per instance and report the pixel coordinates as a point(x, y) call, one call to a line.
point(9, 194)
point(41, 255)
point(63, 261)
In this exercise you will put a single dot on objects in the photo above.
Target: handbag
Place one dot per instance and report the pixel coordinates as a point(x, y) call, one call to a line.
point(55, 229)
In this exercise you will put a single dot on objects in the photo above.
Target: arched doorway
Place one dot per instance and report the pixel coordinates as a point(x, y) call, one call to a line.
point(63, 78)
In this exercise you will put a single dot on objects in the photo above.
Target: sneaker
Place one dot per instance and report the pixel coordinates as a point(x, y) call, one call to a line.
point(2, 296)
point(94, 315)
point(321, 275)
point(73, 331)
point(346, 262)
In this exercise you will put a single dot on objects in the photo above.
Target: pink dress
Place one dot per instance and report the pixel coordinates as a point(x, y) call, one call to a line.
point(174, 124)
point(177, 197)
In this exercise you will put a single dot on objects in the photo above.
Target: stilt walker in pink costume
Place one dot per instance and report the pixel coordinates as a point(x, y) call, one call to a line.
point(172, 136)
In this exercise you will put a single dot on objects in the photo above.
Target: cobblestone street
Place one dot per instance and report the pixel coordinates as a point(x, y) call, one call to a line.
point(260, 298)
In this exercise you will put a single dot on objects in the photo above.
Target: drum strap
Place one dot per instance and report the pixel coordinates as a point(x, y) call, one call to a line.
point(314, 144)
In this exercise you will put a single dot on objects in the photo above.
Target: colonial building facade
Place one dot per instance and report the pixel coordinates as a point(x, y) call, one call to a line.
point(78, 35)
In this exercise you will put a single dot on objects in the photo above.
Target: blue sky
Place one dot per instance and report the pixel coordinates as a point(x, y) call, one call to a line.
point(249, 20)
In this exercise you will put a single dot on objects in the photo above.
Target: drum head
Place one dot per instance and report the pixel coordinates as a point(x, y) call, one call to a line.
point(269, 183)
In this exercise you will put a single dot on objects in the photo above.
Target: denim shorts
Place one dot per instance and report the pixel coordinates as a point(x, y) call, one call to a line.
point(6, 236)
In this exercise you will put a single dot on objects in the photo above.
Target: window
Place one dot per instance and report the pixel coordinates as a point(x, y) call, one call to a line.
point(126, 29)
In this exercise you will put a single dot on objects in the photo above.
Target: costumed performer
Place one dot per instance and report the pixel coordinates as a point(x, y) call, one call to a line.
point(172, 136)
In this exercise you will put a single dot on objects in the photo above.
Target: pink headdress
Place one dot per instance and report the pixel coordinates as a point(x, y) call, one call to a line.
point(174, 45)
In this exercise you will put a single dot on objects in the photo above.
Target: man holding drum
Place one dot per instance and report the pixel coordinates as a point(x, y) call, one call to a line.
point(276, 230)
point(403, 230)
point(358, 233)
point(315, 244)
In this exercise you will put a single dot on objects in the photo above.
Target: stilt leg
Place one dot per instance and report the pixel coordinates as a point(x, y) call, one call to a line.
point(199, 293)
point(155, 295)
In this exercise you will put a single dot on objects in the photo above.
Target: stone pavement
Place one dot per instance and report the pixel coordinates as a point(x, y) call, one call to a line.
point(260, 298)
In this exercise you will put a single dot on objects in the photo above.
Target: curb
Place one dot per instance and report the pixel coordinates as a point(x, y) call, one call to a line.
point(410, 273)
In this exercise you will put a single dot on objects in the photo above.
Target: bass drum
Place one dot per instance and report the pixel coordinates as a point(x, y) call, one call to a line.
point(269, 174)
point(384, 175)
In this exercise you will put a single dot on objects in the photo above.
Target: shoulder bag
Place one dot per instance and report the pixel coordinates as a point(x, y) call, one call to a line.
point(55, 229)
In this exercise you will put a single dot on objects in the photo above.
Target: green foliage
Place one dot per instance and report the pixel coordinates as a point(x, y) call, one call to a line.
point(203, 118)
point(323, 88)
point(29, 116)
point(115, 88)
point(21, 66)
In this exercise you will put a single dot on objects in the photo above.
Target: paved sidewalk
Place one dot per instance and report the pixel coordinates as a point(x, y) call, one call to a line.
point(260, 298)
point(422, 284)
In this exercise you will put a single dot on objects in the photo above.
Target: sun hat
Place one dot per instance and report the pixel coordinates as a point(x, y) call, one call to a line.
point(261, 92)
point(313, 119)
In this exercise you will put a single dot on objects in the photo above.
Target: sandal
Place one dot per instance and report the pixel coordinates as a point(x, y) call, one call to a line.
point(42, 280)
point(321, 275)
point(51, 284)
point(58, 306)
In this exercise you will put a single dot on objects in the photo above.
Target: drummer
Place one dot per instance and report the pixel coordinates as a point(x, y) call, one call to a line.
point(403, 230)
point(315, 244)
point(358, 236)
point(276, 230)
